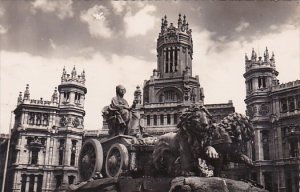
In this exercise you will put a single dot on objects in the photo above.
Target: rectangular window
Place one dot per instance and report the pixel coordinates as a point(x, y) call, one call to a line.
point(61, 151)
point(167, 61)
point(175, 119)
point(265, 144)
point(259, 82)
point(58, 180)
point(66, 96)
point(253, 151)
point(250, 88)
point(148, 120)
point(264, 82)
point(176, 59)
point(268, 180)
point(283, 104)
point(294, 148)
point(23, 183)
point(171, 60)
point(77, 98)
point(161, 119)
point(34, 156)
point(72, 159)
point(291, 102)
point(168, 119)
point(155, 120)
point(31, 183)
point(40, 183)
point(298, 102)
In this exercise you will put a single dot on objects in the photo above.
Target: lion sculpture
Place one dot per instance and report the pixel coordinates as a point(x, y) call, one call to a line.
point(229, 138)
point(177, 154)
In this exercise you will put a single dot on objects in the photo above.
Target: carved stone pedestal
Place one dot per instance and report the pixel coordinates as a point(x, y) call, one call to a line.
point(165, 184)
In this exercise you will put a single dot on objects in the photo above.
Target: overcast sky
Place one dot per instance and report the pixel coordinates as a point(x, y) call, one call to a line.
point(115, 43)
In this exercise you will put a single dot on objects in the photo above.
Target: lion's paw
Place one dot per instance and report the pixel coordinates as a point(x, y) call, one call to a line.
point(211, 152)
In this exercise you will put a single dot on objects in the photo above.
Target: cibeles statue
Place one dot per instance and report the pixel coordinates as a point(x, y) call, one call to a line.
point(121, 118)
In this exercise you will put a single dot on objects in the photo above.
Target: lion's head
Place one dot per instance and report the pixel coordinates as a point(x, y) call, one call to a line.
point(195, 120)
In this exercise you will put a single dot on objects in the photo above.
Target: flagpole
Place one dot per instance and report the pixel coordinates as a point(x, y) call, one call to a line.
point(7, 153)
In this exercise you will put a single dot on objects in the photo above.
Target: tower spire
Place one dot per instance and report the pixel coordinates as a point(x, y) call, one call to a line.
point(253, 55)
point(246, 57)
point(266, 55)
point(179, 21)
point(26, 93)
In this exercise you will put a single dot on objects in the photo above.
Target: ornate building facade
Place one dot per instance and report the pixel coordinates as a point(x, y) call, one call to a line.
point(47, 137)
point(274, 109)
point(172, 87)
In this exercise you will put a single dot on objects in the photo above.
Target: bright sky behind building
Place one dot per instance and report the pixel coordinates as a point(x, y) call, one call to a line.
point(115, 43)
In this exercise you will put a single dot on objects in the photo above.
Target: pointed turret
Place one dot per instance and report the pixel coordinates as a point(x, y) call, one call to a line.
point(179, 22)
point(26, 93)
point(273, 57)
point(20, 99)
point(253, 55)
point(64, 75)
point(246, 57)
point(55, 96)
point(83, 76)
point(266, 55)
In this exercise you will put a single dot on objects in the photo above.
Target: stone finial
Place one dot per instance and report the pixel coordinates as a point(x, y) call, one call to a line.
point(138, 95)
point(73, 73)
point(20, 99)
point(55, 96)
point(64, 74)
point(27, 93)
point(83, 76)
point(273, 56)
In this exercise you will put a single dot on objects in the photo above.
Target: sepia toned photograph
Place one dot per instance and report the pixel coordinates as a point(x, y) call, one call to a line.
point(160, 96)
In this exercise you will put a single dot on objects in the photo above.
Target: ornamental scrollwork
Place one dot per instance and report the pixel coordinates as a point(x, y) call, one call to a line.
point(76, 122)
point(264, 109)
point(63, 121)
